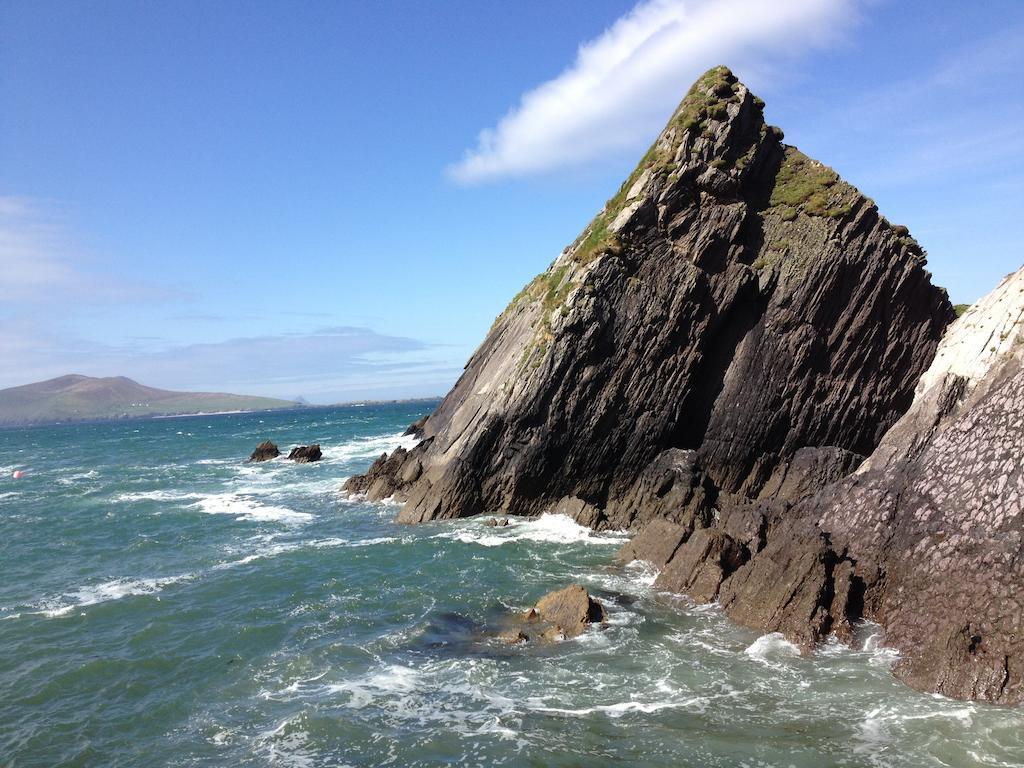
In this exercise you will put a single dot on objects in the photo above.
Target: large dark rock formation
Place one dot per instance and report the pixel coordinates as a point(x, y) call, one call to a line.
point(711, 362)
point(737, 321)
point(926, 538)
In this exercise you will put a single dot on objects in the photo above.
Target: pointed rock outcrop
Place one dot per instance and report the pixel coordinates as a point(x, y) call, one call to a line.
point(265, 451)
point(733, 304)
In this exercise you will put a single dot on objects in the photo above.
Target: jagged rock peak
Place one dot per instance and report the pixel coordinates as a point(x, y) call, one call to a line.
point(715, 132)
point(733, 304)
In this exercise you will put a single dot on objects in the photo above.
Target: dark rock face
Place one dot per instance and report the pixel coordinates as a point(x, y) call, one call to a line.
point(305, 454)
point(701, 564)
point(379, 481)
point(734, 303)
point(789, 587)
point(656, 543)
point(265, 451)
point(710, 363)
point(926, 537)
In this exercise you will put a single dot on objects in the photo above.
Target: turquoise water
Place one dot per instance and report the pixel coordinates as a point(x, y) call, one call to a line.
point(163, 603)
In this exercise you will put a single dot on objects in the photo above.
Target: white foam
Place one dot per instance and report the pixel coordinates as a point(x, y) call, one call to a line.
point(548, 528)
point(77, 477)
point(878, 725)
point(106, 592)
point(624, 707)
point(246, 508)
point(157, 495)
point(241, 505)
point(771, 647)
point(369, 447)
point(373, 542)
point(266, 552)
point(327, 543)
point(260, 554)
point(393, 679)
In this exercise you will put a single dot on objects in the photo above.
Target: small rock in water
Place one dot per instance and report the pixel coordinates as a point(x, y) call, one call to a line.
point(496, 523)
point(306, 453)
point(560, 614)
point(570, 610)
point(265, 451)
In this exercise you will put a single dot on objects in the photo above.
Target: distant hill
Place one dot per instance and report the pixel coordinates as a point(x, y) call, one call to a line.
point(78, 398)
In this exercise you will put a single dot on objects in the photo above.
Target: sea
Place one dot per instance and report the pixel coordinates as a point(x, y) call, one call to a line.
point(165, 603)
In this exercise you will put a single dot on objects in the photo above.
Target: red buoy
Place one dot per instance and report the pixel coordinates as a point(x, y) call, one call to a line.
point(18, 474)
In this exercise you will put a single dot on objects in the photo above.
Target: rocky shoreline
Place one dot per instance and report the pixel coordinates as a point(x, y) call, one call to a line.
point(740, 360)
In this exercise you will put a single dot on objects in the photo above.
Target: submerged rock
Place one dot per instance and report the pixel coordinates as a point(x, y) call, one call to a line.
point(568, 611)
point(513, 636)
point(265, 451)
point(558, 615)
point(304, 454)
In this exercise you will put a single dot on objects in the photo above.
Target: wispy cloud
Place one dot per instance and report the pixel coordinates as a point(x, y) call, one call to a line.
point(623, 83)
point(328, 364)
point(41, 259)
point(928, 134)
point(49, 282)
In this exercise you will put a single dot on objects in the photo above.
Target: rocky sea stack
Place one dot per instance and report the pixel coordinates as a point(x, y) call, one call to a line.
point(727, 341)
point(304, 454)
point(265, 451)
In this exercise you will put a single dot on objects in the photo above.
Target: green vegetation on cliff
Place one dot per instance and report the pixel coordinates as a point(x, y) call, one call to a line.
point(706, 100)
point(807, 186)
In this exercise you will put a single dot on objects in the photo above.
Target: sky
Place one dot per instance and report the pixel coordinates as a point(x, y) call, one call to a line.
point(333, 200)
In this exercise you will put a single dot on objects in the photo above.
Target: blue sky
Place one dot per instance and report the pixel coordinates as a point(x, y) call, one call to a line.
point(334, 200)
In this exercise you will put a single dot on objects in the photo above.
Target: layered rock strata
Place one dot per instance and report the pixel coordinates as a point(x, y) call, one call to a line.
point(737, 322)
point(735, 359)
point(926, 537)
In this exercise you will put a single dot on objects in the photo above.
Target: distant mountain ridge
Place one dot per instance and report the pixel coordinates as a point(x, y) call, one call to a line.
point(82, 398)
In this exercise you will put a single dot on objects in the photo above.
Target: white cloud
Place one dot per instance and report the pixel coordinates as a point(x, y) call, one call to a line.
point(41, 260)
point(624, 84)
